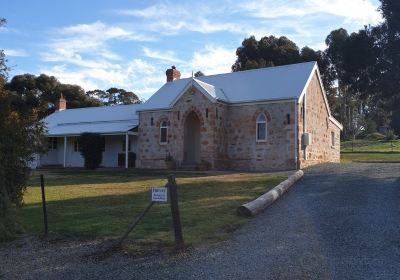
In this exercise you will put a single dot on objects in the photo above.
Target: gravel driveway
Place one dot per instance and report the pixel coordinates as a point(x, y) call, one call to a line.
point(338, 222)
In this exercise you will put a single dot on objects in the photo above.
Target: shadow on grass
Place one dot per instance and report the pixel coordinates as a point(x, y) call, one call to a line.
point(207, 208)
point(81, 176)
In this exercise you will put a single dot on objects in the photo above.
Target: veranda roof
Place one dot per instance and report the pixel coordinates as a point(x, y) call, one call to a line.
point(104, 120)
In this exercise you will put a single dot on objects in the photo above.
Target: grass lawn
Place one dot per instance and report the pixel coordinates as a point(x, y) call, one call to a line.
point(97, 204)
point(370, 150)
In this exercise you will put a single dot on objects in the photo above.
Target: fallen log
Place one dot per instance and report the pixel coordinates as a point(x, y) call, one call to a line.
point(254, 207)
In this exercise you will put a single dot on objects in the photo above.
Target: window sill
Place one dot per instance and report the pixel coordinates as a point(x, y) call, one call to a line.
point(261, 141)
point(163, 143)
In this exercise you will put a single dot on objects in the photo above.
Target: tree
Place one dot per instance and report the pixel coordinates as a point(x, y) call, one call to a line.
point(389, 64)
point(20, 138)
point(351, 60)
point(114, 96)
point(273, 51)
point(40, 93)
point(198, 74)
point(91, 148)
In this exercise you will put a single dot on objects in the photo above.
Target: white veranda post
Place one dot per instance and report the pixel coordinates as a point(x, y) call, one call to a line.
point(65, 152)
point(126, 149)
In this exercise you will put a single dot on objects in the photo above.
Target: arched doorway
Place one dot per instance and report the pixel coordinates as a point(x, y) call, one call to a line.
point(191, 152)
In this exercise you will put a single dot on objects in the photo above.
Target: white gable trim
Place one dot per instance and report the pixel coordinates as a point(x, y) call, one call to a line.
point(316, 70)
point(194, 83)
point(336, 122)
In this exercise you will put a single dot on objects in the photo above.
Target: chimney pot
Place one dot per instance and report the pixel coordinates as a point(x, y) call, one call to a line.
point(173, 74)
point(61, 104)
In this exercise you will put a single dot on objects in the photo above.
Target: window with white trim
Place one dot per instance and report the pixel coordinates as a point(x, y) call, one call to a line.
point(332, 138)
point(164, 132)
point(52, 143)
point(76, 146)
point(261, 128)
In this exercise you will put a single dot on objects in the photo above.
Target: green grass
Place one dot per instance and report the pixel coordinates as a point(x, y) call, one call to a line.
point(365, 150)
point(101, 204)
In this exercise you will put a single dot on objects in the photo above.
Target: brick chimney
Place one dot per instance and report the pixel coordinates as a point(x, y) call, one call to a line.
point(172, 74)
point(61, 104)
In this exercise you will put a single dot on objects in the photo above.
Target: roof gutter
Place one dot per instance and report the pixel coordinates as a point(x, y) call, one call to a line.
point(103, 134)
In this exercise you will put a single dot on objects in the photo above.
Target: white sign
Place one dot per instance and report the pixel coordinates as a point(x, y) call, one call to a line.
point(159, 194)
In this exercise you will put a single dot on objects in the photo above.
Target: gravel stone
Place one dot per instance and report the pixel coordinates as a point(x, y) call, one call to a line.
point(338, 222)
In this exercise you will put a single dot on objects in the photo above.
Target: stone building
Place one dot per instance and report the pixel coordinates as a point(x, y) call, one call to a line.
point(266, 119)
point(274, 118)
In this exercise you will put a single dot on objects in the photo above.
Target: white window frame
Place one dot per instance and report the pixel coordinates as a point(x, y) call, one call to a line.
point(266, 128)
point(76, 144)
point(52, 143)
point(164, 125)
point(333, 140)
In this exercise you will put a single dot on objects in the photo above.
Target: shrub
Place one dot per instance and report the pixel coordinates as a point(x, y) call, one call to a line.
point(168, 157)
point(371, 126)
point(20, 138)
point(390, 136)
point(91, 148)
point(375, 136)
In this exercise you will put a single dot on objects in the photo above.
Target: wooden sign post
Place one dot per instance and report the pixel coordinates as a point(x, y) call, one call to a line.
point(160, 194)
point(173, 196)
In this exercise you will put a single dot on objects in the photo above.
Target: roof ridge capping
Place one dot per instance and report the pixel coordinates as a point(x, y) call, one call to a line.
point(245, 71)
point(98, 107)
point(259, 69)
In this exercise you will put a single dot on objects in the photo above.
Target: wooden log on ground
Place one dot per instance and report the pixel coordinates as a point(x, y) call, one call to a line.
point(254, 207)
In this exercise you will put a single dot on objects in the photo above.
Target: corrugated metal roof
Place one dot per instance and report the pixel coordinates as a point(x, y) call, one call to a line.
point(281, 82)
point(104, 119)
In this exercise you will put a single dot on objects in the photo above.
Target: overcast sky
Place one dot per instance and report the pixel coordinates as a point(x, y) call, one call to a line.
point(130, 44)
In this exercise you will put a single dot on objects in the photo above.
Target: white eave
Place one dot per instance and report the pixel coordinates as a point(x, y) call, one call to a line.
point(316, 70)
point(336, 122)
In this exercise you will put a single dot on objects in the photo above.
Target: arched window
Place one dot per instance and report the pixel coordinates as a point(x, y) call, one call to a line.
point(164, 132)
point(261, 127)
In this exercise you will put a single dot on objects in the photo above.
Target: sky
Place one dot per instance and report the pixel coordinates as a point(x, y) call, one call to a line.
point(99, 44)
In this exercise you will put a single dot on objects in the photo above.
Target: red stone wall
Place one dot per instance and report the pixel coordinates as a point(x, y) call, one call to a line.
point(319, 126)
point(152, 154)
point(277, 153)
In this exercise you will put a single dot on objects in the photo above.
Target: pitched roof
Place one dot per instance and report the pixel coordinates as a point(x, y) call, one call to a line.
point(104, 119)
point(273, 83)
